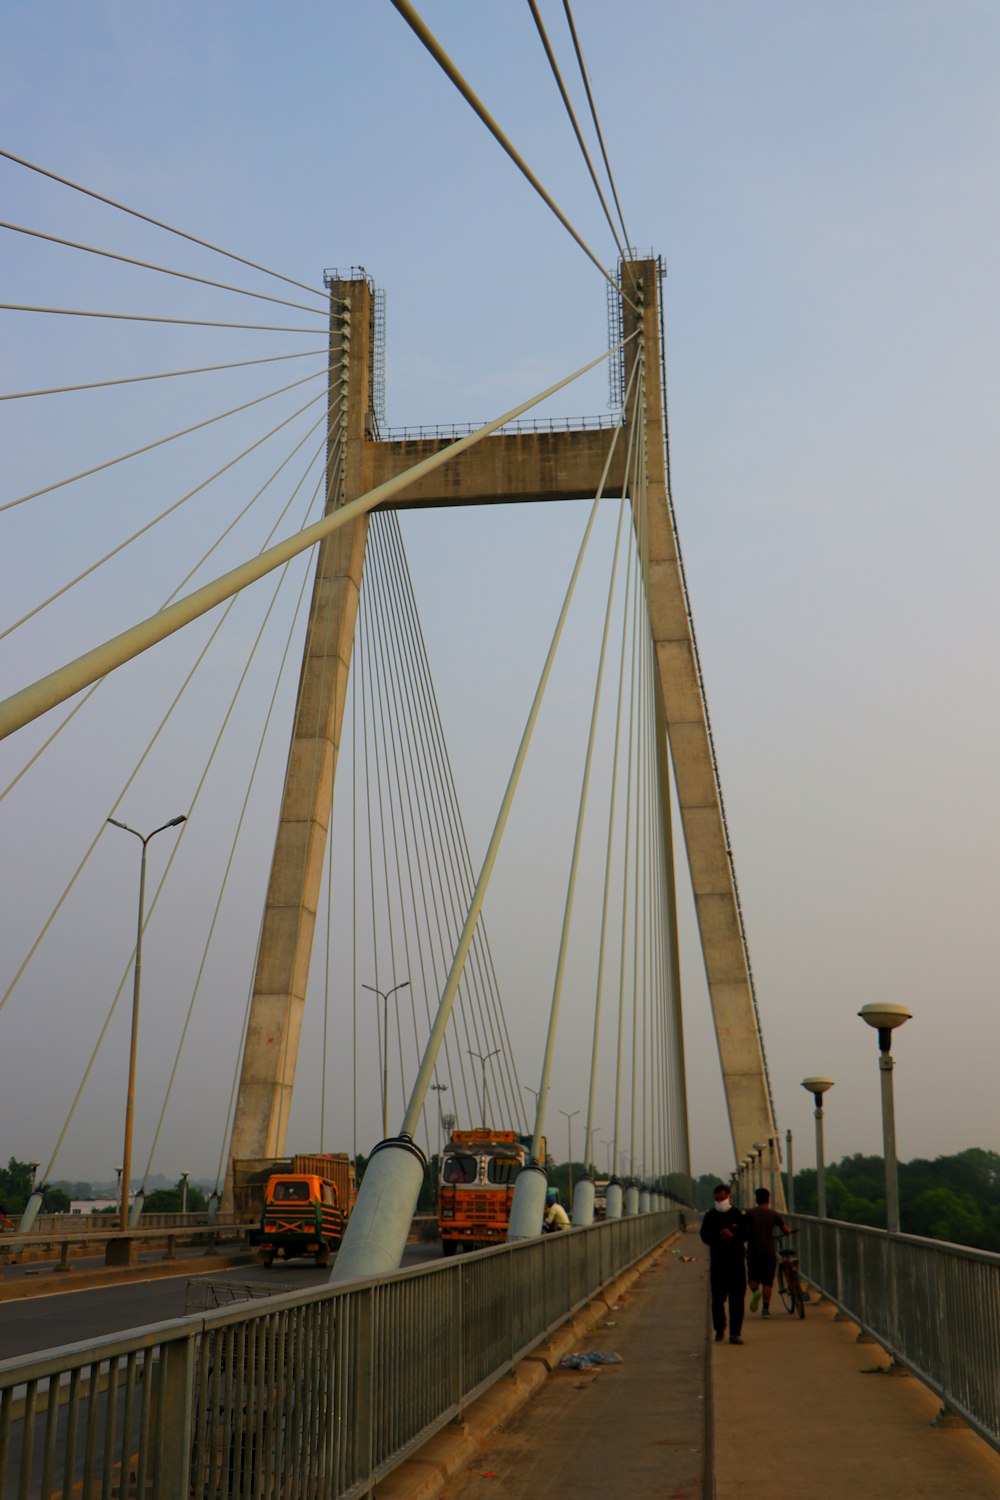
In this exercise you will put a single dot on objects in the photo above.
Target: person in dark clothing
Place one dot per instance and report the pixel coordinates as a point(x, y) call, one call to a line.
point(762, 1260)
point(724, 1230)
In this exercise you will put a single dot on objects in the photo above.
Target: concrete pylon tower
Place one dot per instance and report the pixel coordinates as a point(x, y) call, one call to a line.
point(264, 1100)
point(684, 712)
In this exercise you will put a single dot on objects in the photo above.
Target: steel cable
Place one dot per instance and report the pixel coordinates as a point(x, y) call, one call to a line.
point(433, 46)
point(157, 223)
point(161, 442)
point(97, 385)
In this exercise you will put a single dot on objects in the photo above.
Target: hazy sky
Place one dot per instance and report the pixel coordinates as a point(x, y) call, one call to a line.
point(822, 182)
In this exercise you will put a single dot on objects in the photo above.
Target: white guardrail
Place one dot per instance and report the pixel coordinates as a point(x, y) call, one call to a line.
point(935, 1307)
point(307, 1394)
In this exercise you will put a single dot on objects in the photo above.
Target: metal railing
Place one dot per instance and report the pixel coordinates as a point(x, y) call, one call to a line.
point(935, 1307)
point(454, 430)
point(309, 1394)
point(89, 1241)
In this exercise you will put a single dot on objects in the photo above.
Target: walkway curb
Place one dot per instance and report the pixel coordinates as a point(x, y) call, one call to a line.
point(448, 1452)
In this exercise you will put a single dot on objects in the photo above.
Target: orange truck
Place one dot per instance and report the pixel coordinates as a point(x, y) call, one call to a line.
point(478, 1172)
point(301, 1203)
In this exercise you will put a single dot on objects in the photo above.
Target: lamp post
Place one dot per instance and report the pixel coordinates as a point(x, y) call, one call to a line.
point(569, 1146)
point(758, 1147)
point(590, 1146)
point(184, 1192)
point(818, 1087)
point(608, 1145)
point(885, 1019)
point(384, 996)
point(439, 1089)
point(484, 1060)
point(144, 840)
point(791, 1173)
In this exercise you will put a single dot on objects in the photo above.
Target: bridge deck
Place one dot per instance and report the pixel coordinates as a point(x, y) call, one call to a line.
point(794, 1414)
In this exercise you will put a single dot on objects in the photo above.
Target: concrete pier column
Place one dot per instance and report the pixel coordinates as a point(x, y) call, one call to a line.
point(583, 1202)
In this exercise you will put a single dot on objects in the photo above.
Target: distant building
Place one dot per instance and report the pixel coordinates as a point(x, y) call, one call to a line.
point(91, 1205)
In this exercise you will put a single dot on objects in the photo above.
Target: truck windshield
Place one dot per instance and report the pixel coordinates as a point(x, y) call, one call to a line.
point(291, 1192)
point(502, 1169)
point(459, 1169)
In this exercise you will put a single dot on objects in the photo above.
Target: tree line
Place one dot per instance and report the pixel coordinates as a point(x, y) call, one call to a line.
point(953, 1198)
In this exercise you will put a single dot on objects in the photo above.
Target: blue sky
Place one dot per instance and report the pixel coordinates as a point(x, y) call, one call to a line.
point(822, 183)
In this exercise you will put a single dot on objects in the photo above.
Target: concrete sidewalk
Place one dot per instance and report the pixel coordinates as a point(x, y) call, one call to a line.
point(637, 1429)
point(802, 1410)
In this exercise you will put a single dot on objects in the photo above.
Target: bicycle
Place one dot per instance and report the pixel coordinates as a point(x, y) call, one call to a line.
point(789, 1286)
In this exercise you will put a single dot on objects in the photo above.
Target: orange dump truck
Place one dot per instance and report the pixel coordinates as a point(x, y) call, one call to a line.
point(478, 1172)
point(301, 1203)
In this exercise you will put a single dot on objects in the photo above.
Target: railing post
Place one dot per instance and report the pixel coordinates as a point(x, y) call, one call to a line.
point(364, 1366)
point(174, 1420)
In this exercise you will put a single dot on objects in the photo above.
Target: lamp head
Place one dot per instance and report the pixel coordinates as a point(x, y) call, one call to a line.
point(884, 1018)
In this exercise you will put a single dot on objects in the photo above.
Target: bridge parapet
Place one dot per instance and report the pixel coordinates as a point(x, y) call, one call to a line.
point(930, 1304)
point(324, 1391)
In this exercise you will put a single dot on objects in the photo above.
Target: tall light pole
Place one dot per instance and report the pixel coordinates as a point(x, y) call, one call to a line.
point(384, 996)
point(590, 1146)
point(439, 1089)
point(144, 840)
point(484, 1060)
point(569, 1146)
point(184, 1191)
point(885, 1019)
point(791, 1173)
point(818, 1087)
point(608, 1145)
point(758, 1147)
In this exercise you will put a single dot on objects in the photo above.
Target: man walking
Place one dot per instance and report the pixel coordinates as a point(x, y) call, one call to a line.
point(762, 1259)
point(724, 1230)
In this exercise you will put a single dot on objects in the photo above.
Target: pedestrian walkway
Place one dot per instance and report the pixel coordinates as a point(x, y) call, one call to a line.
point(803, 1410)
point(635, 1429)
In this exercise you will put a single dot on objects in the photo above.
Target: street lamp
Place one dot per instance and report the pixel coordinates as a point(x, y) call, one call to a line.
point(144, 840)
point(590, 1146)
point(758, 1147)
point(791, 1173)
point(484, 1060)
point(608, 1145)
point(384, 996)
point(885, 1019)
point(439, 1089)
point(818, 1087)
point(569, 1144)
point(184, 1192)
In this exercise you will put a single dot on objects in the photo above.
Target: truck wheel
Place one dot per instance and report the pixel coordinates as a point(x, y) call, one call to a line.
point(448, 1247)
point(267, 1259)
point(323, 1256)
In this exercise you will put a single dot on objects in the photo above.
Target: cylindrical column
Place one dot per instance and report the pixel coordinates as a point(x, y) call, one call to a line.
point(527, 1211)
point(583, 1201)
point(644, 1200)
point(631, 1200)
point(135, 1212)
point(772, 1162)
point(30, 1214)
point(387, 1198)
point(613, 1201)
point(791, 1172)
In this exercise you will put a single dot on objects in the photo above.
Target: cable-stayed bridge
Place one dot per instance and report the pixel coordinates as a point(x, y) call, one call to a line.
point(367, 738)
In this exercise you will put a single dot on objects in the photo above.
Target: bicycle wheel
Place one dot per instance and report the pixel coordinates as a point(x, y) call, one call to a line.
point(785, 1288)
point(799, 1295)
